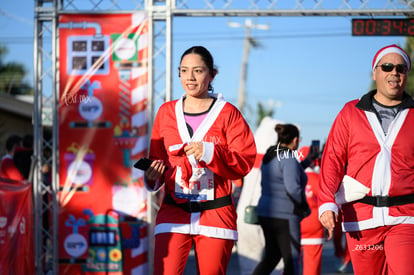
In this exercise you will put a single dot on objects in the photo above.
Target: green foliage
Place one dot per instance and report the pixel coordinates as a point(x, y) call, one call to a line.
point(263, 112)
point(12, 76)
point(409, 48)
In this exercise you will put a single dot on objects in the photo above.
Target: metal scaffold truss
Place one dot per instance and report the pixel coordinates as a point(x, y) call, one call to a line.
point(291, 8)
point(252, 7)
point(160, 15)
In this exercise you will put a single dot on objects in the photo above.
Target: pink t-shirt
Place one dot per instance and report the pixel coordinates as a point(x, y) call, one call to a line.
point(194, 120)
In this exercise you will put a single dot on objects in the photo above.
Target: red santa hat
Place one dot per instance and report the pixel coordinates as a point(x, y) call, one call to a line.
point(303, 152)
point(391, 49)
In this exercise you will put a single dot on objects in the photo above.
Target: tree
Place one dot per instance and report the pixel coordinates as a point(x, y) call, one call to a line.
point(409, 48)
point(263, 112)
point(12, 76)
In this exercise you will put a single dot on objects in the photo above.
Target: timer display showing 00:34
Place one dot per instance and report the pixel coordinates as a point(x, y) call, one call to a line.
point(403, 27)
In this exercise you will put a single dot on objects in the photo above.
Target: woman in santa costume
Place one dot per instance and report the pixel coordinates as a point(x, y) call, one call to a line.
point(199, 144)
point(368, 169)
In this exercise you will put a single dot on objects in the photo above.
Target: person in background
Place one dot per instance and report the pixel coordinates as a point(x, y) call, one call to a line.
point(8, 169)
point(282, 204)
point(23, 156)
point(341, 250)
point(312, 231)
point(368, 169)
point(199, 144)
point(237, 187)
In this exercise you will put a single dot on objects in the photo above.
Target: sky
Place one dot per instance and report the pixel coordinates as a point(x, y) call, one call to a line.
point(305, 69)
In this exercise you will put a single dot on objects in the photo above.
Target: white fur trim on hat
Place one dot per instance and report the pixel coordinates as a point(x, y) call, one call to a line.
point(391, 49)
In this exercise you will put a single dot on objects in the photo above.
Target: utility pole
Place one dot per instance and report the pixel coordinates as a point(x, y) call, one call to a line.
point(248, 40)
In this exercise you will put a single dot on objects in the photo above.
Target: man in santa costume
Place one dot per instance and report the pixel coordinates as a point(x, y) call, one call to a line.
point(368, 169)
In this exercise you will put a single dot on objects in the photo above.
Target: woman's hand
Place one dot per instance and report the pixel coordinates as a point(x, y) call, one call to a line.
point(155, 171)
point(194, 148)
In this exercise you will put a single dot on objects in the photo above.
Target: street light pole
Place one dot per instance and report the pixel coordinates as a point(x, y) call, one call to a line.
point(248, 25)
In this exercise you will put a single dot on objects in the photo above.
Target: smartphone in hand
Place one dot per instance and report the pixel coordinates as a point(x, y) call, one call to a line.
point(315, 148)
point(143, 163)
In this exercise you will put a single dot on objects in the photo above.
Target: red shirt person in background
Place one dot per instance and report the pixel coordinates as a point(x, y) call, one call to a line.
point(23, 156)
point(312, 231)
point(8, 169)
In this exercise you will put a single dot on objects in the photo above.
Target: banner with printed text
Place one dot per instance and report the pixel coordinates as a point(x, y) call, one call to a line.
point(16, 227)
point(103, 130)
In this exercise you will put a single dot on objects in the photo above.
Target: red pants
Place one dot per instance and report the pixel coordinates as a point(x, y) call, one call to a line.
point(383, 250)
point(172, 250)
point(312, 259)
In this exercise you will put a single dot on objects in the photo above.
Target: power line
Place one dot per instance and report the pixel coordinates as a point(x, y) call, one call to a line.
point(16, 40)
point(16, 18)
point(264, 37)
point(212, 36)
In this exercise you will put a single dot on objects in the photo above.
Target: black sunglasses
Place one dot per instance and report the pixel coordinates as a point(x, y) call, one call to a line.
point(389, 67)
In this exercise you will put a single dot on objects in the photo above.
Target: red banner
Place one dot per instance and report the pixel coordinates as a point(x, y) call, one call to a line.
point(16, 228)
point(103, 128)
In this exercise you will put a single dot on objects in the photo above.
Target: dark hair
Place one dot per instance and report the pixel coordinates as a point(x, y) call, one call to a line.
point(27, 141)
point(206, 57)
point(286, 133)
point(12, 141)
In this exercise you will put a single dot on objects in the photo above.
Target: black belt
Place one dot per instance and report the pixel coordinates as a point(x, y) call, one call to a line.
point(386, 201)
point(199, 206)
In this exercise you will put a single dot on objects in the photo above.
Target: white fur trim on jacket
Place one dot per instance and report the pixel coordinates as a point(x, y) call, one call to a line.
point(350, 190)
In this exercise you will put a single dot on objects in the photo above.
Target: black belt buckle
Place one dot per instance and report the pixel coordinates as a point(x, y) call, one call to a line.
point(195, 206)
point(382, 201)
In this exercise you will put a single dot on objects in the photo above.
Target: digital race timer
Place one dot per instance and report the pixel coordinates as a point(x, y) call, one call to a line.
point(383, 26)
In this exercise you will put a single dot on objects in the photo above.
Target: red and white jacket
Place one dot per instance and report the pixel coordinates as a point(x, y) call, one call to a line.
point(357, 147)
point(229, 154)
point(8, 169)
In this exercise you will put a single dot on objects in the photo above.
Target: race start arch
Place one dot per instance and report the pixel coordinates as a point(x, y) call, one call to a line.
point(101, 68)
